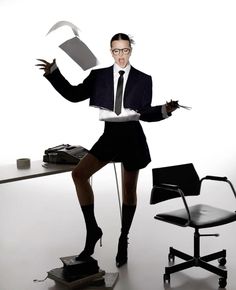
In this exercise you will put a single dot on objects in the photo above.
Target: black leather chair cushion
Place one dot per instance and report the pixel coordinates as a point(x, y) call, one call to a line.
point(202, 216)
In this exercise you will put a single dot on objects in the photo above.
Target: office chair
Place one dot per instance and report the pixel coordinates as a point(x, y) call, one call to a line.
point(179, 181)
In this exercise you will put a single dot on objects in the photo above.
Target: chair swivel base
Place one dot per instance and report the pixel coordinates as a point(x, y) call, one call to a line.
point(192, 261)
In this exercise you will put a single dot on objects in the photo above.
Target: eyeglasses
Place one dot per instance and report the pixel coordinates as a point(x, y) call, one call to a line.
point(117, 51)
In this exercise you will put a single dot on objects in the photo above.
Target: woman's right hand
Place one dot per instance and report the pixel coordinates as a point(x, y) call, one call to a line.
point(45, 65)
point(171, 106)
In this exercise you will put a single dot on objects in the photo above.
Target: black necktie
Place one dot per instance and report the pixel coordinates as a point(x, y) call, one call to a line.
point(119, 93)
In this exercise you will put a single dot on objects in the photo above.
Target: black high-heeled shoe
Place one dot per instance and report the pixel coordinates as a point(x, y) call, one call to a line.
point(91, 240)
point(122, 253)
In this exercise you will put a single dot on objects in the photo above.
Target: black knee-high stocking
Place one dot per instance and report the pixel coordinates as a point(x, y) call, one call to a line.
point(94, 233)
point(128, 212)
point(89, 217)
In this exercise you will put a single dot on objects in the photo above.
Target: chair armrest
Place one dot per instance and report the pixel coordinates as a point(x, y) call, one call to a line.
point(168, 186)
point(173, 188)
point(219, 178)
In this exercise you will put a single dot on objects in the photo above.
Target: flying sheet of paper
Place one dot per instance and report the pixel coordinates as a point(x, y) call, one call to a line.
point(76, 48)
point(59, 24)
point(175, 104)
point(184, 107)
point(79, 52)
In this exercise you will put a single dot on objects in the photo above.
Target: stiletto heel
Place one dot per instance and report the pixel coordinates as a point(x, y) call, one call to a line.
point(91, 240)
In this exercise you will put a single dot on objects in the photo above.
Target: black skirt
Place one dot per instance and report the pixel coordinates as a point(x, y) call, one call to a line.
point(123, 142)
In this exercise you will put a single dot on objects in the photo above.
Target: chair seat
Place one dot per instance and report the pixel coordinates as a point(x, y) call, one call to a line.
point(202, 216)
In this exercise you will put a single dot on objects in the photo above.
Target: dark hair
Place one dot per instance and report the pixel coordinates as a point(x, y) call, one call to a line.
point(122, 36)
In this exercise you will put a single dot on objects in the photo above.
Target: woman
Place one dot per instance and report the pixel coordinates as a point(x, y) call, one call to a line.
point(123, 139)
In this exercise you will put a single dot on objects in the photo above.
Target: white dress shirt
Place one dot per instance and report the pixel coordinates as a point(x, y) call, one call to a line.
point(126, 114)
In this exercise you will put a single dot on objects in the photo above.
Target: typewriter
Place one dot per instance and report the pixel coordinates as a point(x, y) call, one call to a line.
point(64, 154)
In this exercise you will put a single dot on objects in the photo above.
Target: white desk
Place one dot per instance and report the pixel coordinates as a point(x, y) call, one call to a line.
point(10, 173)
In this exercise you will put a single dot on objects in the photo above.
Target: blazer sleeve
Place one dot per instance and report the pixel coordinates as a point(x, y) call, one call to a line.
point(152, 114)
point(73, 93)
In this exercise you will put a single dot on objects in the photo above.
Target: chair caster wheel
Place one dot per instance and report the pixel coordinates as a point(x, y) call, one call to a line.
point(166, 278)
point(222, 261)
point(222, 282)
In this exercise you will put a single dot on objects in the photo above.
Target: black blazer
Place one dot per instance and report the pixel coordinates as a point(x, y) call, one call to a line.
point(99, 88)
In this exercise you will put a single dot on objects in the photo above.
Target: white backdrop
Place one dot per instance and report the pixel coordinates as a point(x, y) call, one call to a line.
point(187, 46)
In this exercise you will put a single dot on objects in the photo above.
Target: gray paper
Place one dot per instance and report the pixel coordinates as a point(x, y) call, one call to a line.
point(59, 24)
point(79, 52)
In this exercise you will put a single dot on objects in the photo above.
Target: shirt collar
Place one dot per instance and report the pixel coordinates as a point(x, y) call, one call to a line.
point(118, 68)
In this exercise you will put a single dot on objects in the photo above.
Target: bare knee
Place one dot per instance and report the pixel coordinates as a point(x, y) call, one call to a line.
point(130, 198)
point(129, 186)
point(129, 192)
point(79, 176)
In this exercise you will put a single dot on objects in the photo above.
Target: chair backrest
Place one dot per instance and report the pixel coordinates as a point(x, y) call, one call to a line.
point(183, 175)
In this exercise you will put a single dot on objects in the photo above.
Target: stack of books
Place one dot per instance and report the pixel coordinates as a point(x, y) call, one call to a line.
point(82, 274)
